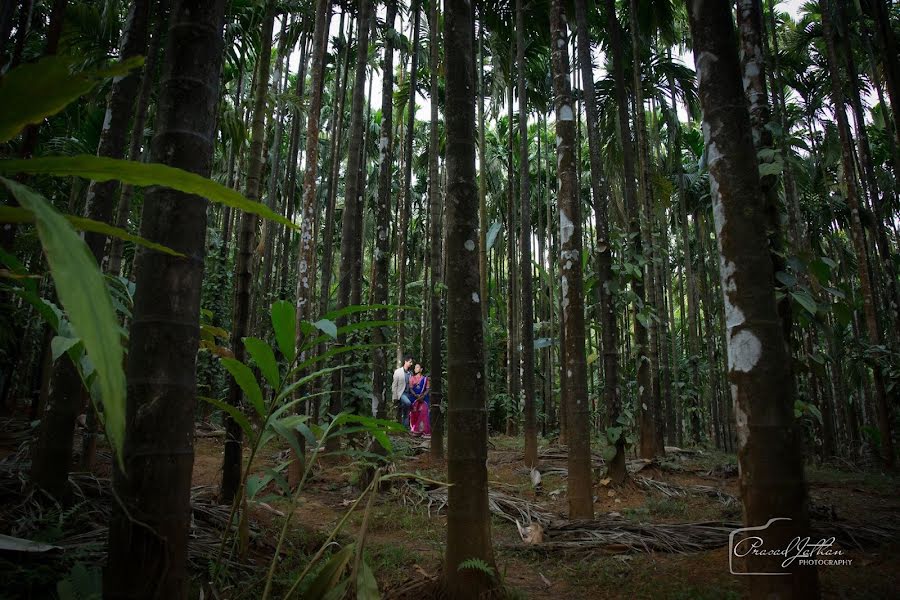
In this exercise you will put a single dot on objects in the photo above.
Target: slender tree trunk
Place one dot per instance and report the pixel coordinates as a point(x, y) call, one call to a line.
point(101, 195)
point(482, 178)
point(769, 453)
point(406, 194)
point(648, 403)
point(468, 516)
point(513, 365)
point(240, 321)
point(148, 79)
point(351, 234)
point(270, 228)
point(306, 274)
point(857, 233)
point(527, 323)
point(150, 524)
point(884, 34)
point(608, 327)
point(381, 262)
point(435, 246)
point(581, 503)
point(753, 67)
point(617, 465)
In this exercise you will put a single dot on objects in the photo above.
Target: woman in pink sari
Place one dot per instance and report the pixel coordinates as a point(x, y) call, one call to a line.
point(420, 384)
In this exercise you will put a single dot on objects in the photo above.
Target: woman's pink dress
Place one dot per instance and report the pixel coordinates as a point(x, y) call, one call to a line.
point(419, 422)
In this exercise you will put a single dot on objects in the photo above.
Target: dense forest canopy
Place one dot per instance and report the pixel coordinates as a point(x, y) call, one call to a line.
point(312, 241)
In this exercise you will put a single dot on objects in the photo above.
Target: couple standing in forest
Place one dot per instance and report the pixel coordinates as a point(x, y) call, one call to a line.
point(410, 392)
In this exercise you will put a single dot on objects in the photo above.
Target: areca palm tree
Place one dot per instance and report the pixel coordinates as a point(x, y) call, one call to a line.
point(148, 532)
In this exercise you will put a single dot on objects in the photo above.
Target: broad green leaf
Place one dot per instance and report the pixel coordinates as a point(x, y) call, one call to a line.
point(491, 236)
point(366, 585)
point(247, 382)
point(339, 591)
point(33, 91)
point(820, 270)
point(330, 574)
point(540, 343)
point(327, 327)
point(374, 427)
point(235, 413)
point(101, 168)
point(12, 214)
point(786, 278)
point(264, 358)
point(83, 294)
point(288, 434)
point(48, 311)
point(284, 322)
point(805, 300)
point(60, 345)
point(336, 314)
point(613, 434)
point(772, 168)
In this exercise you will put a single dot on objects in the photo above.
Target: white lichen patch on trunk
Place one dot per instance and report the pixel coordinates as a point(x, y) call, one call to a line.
point(740, 420)
point(470, 245)
point(565, 113)
point(475, 298)
point(733, 315)
point(564, 285)
point(744, 351)
point(566, 228)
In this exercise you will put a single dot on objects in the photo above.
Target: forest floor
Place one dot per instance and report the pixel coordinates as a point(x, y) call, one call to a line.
point(406, 526)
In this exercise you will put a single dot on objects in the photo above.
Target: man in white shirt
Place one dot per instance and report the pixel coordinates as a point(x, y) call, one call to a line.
point(400, 391)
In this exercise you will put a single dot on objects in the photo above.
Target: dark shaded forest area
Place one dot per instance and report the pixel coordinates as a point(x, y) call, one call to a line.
point(378, 299)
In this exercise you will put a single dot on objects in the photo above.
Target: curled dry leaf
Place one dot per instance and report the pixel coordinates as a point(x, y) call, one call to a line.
point(532, 534)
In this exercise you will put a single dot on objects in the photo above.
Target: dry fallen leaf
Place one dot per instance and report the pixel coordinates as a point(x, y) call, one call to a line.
point(531, 535)
point(545, 580)
point(605, 481)
point(611, 493)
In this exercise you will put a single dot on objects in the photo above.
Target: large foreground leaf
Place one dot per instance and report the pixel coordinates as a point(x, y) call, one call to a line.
point(101, 168)
point(85, 297)
point(12, 214)
point(33, 91)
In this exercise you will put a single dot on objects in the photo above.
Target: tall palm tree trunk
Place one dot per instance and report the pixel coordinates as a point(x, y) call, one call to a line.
point(609, 332)
point(769, 453)
point(857, 233)
point(240, 319)
point(649, 403)
point(150, 524)
point(148, 79)
point(468, 515)
point(581, 503)
point(306, 273)
point(381, 263)
point(406, 194)
point(435, 247)
point(351, 233)
point(527, 323)
point(617, 465)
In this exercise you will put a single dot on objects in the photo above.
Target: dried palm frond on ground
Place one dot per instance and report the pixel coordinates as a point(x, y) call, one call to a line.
point(82, 528)
point(617, 536)
point(506, 506)
point(674, 490)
